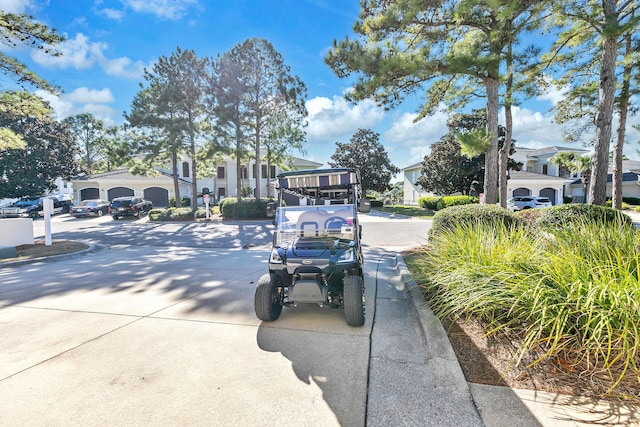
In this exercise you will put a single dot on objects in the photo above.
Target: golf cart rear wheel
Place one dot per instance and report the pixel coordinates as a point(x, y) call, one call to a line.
point(267, 302)
point(354, 300)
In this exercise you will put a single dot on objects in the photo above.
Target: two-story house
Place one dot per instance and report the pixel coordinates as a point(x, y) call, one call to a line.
point(538, 177)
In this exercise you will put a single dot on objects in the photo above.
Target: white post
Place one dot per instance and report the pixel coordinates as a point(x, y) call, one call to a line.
point(206, 199)
point(47, 204)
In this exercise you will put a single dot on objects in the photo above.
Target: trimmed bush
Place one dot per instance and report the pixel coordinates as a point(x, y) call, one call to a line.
point(464, 215)
point(576, 214)
point(529, 216)
point(376, 204)
point(448, 201)
point(631, 200)
point(230, 208)
point(178, 214)
point(429, 202)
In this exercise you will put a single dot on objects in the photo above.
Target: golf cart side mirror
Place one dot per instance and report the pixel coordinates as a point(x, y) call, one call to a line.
point(271, 209)
point(364, 205)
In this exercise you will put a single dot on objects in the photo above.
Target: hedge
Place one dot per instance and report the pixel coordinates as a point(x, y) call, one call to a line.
point(575, 214)
point(448, 201)
point(230, 208)
point(429, 202)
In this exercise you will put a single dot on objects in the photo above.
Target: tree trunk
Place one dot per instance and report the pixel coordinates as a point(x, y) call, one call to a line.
point(258, 160)
point(491, 156)
point(176, 181)
point(503, 155)
point(598, 182)
point(194, 173)
point(616, 182)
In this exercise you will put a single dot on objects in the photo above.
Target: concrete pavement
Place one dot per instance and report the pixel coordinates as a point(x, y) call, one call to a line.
point(413, 375)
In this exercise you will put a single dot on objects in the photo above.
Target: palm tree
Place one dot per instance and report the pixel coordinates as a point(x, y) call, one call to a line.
point(575, 164)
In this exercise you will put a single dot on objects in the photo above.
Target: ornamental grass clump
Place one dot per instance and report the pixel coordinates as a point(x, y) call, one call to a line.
point(572, 291)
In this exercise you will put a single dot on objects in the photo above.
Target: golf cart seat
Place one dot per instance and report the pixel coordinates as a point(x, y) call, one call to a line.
point(309, 223)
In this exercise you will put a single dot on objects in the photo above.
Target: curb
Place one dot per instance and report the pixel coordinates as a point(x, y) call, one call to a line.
point(435, 337)
point(70, 255)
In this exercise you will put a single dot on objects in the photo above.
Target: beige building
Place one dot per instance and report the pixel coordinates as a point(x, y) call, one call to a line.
point(160, 189)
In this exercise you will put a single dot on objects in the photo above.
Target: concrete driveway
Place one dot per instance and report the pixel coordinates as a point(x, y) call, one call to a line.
point(166, 335)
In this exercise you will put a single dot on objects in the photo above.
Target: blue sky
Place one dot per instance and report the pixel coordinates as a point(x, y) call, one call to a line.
point(110, 42)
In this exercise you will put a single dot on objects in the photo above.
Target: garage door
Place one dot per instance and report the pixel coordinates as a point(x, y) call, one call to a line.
point(550, 193)
point(89, 193)
point(119, 192)
point(158, 196)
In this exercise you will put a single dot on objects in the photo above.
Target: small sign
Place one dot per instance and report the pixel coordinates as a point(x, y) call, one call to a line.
point(206, 199)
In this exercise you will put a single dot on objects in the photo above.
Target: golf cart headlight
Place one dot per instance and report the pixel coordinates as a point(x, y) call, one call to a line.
point(347, 256)
point(275, 257)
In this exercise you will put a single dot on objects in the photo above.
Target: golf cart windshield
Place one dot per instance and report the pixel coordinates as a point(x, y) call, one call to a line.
point(315, 222)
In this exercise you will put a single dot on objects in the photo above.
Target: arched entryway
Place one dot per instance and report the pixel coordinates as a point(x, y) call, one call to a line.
point(119, 192)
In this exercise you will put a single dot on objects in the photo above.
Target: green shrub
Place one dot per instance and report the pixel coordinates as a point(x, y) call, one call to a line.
point(185, 201)
point(528, 216)
point(448, 201)
point(230, 208)
point(455, 216)
point(576, 214)
point(179, 214)
point(376, 204)
point(574, 294)
point(429, 202)
point(631, 200)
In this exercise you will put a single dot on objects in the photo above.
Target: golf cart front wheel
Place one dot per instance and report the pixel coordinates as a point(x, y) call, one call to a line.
point(354, 300)
point(267, 303)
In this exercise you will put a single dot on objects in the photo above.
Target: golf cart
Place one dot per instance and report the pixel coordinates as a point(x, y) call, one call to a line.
point(316, 255)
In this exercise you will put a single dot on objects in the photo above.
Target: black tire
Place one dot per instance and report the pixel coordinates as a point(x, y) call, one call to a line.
point(100, 213)
point(354, 300)
point(115, 217)
point(267, 303)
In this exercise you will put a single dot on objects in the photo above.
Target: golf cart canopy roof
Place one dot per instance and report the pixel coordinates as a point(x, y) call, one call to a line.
point(319, 178)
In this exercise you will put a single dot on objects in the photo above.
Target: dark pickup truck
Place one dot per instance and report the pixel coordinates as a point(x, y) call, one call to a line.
point(129, 206)
point(32, 207)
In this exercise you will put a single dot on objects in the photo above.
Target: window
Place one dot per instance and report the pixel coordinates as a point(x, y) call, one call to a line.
point(185, 169)
point(545, 169)
point(222, 192)
point(220, 172)
point(244, 172)
point(272, 169)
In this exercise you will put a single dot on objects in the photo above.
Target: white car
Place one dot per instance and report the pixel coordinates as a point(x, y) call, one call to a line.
point(519, 203)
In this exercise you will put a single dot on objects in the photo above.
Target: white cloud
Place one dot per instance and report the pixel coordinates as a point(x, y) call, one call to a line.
point(167, 9)
point(80, 53)
point(82, 100)
point(333, 118)
point(408, 142)
point(16, 6)
point(533, 129)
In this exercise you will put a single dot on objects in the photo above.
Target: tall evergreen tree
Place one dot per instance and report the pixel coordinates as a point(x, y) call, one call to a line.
point(172, 109)
point(16, 30)
point(259, 86)
point(452, 46)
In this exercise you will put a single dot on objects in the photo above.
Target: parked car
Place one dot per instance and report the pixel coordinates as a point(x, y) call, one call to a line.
point(33, 207)
point(93, 207)
point(519, 203)
point(129, 206)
